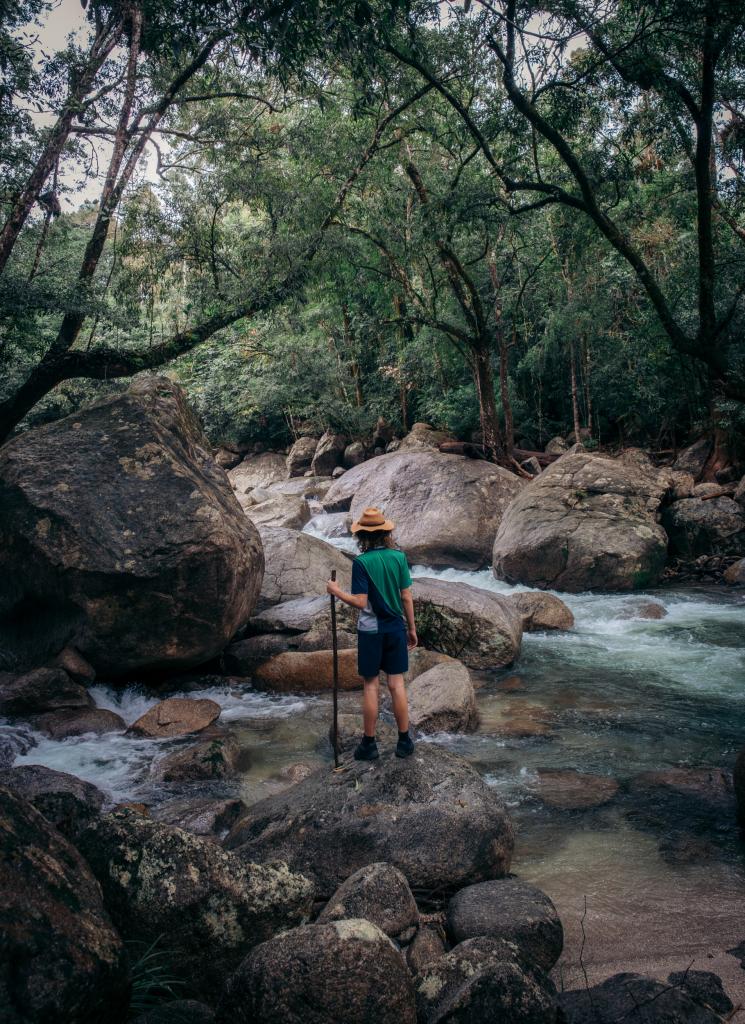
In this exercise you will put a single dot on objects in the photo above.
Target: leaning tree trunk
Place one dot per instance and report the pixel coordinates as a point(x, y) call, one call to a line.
point(483, 376)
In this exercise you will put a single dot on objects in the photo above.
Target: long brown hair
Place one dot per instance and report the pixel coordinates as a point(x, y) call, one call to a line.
point(367, 540)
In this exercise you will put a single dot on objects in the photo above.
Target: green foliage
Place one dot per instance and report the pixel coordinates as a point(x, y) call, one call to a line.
point(153, 977)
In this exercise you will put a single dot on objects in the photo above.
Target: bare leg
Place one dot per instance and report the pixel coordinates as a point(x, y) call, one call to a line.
point(398, 699)
point(370, 705)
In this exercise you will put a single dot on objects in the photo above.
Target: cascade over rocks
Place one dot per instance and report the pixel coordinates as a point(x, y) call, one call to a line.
point(481, 629)
point(586, 523)
point(446, 507)
point(61, 959)
point(344, 971)
point(511, 910)
point(377, 892)
point(483, 979)
point(211, 904)
point(298, 565)
point(430, 815)
point(120, 534)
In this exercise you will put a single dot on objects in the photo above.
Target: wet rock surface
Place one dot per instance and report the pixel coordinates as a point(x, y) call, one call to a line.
point(586, 523)
point(308, 672)
point(481, 629)
point(571, 790)
point(78, 721)
point(346, 971)
point(214, 757)
point(176, 716)
point(62, 959)
point(483, 980)
point(430, 815)
point(120, 534)
point(541, 611)
point(378, 893)
point(160, 880)
point(513, 911)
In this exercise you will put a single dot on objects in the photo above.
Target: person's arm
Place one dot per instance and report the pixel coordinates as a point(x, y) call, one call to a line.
point(355, 600)
point(408, 602)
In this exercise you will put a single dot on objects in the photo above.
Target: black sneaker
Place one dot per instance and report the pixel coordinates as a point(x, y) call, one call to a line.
point(405, 748)
point(366, 752)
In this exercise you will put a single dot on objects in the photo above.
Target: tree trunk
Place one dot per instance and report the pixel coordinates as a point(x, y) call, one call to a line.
point(483, 376)
point(575, 403)
point(588, 395)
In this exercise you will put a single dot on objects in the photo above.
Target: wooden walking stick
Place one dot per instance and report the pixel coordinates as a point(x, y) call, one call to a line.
point(335, 732)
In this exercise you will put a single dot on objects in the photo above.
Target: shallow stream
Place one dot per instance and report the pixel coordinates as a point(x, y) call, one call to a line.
point(616, 696)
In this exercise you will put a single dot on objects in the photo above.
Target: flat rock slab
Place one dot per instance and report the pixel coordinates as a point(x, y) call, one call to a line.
point(483, 980)
point(481, 629)
point(510, 910)
point(62, 959)
point(443, 699)
point(378, 893)
point(346, 971)
point(430, 815)
point(574, 791)
point(176, 716)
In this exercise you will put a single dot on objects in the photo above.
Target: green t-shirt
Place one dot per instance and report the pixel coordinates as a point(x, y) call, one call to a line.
point(382, 574)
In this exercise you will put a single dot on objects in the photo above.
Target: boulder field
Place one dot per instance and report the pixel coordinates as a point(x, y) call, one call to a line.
point(120, 534)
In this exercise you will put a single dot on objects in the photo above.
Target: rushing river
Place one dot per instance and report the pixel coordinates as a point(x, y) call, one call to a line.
point(616, 696)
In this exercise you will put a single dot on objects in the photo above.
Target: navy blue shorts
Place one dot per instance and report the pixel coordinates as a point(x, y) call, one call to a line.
point(386, 652)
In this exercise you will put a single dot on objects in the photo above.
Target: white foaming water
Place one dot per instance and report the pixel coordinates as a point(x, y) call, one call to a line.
point(331, 528)
point(117, 763)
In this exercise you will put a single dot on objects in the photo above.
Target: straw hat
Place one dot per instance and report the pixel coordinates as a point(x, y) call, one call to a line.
point(372, 519)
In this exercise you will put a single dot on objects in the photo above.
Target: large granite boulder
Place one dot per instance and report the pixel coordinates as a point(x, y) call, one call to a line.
point(443, 699)
point(78, 721)
point(120, 534)
point(446, 508)
point(258, 471)
point(212, 905)
point(298, 565)
point(511, 910)
point(430, 815)
point(66, 801)
point(60, 956)
point(481, 629)
point(42, 689)
point(285, 510)
point(329, 454)
point(378, 893)
point(343, 972)
point(423, 436)
point(308, 671)
point(705, 527)
point(483, 980)
point(693, 458)
point(586, 523)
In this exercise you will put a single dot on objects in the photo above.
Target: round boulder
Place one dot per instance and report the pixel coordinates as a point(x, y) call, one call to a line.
point(120, 534)
point(481, 629)
point(735, 573)
point(483, 980)
point(61, 958)
point(158, 880)
point(446, 507)
point(300, 456)
point(258, 471)
point(511, 910)
point(354, 454)
point(586, 523)
point(443, 699)
point(430, 815)
point(176, 716)
point(377, 892)
point(346, 971)
point(329, 454)
point(541, 611)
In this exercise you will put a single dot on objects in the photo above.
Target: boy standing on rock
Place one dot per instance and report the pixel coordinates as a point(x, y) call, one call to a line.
point(381, 590)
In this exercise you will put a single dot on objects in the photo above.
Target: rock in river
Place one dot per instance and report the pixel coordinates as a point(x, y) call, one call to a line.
point(511, 910)
point(446, 507)
point(699, 527)
point(121, 535)
point(176, 716)
point(60, 957)
point(430, 815)
point(541, 611)
point(443, 699)
point(210, 904)
point(344, 972)
point(307, 671)
point(586, 523)
point(482, 629)
point(43, 689)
